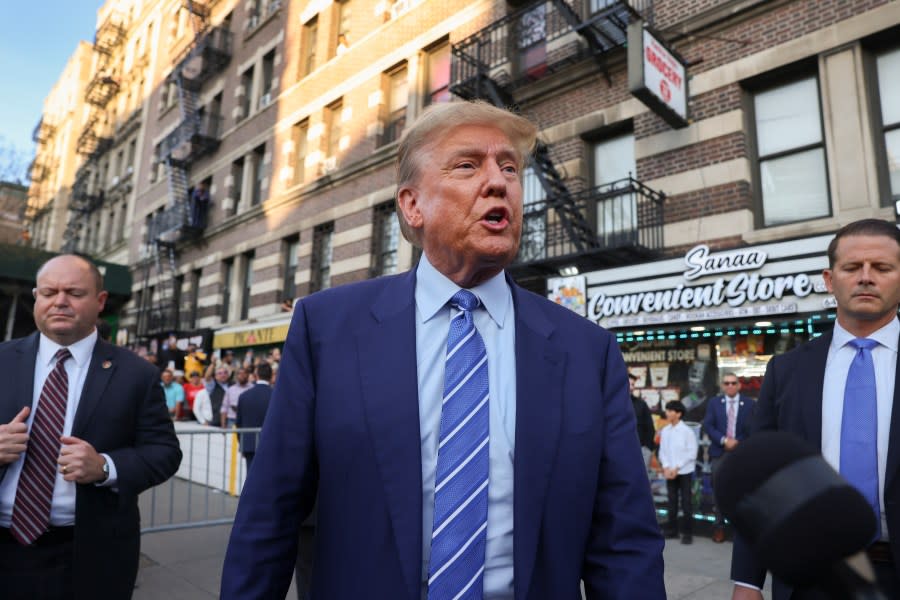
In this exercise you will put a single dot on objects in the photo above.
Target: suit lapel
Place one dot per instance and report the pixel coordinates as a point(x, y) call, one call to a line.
point(812, 370)
point(99, 373)
point(23, 383)
point(539, 382)
point(386, 351)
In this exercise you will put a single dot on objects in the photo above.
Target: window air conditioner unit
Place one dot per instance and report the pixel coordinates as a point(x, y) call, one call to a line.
point(129, 170)
point(252, 22)
point(329, 165)
point(399, 7)
point(265, 99)
point(115, 180)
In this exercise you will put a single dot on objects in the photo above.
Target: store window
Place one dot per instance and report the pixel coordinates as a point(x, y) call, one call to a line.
point(321, 258)
point(385, 240)
point(793, 179)
point(888, 66)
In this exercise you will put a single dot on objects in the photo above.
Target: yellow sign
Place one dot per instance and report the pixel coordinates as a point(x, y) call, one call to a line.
point(251, 337)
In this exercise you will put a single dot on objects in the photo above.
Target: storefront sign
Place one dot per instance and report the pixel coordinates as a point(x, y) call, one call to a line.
point(706, 285)
point(251, 337)
point(656, 75)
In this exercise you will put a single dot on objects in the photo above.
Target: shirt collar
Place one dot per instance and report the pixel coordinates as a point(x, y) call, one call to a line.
point(434, 290)
point(262, 382)
point(80, 350)
point(887, 336)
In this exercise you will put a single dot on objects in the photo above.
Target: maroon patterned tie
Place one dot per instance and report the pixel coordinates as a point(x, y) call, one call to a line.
point(31, 511)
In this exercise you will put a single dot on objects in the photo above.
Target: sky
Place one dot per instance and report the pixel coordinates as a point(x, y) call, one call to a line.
point(37, 37)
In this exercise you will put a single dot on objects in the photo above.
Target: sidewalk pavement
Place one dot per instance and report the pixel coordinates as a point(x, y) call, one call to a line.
point(186, 564)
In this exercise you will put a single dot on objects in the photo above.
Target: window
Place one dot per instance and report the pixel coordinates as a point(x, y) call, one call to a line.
point(385, 239)
point(333, 128)
point(398, 93)
point(342, 29)
point(247, 284)
point(247, 89)
point(227, 280)
point(534, 222)
point(299, 135)
point(308, 49)
point(793, 180)
point(321, 258)
point(290, 255)
point(237, 184)
point(268, 73)
point(438, 74)
point(888, 65)
point(259, 174)
point(614, 164)
point(195, 298)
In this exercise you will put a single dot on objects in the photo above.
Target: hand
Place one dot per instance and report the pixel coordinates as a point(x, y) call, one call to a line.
point(79, 462)
point(730, 444)
point(745, 593)
point(14, 437)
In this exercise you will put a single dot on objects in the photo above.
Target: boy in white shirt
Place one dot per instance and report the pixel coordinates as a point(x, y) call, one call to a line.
point(678, 456)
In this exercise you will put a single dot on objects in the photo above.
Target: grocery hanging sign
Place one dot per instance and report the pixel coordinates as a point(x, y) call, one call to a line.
point(657, 76)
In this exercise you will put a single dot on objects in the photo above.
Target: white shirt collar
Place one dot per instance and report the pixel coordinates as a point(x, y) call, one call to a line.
point(434, 290)
point(887, 336)
point(81, 350)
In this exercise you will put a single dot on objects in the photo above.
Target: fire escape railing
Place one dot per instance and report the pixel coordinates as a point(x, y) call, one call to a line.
point(626, 217)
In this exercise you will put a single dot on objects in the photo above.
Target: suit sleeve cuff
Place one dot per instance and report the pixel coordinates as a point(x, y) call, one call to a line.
point(747, 585)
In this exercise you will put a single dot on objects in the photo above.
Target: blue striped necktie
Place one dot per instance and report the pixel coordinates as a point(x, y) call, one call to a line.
point(859, 426)
point(459, 534)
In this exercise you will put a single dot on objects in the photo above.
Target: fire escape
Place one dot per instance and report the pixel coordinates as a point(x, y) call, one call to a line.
point(95, 139)
point(587, 228)
point(40, 169)
point(196, 136)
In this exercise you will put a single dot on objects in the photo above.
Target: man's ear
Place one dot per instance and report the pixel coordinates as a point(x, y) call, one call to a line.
point(408, 201)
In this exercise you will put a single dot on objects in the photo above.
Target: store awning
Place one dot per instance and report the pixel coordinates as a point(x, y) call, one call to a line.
point(267, 332)
point(20, 264)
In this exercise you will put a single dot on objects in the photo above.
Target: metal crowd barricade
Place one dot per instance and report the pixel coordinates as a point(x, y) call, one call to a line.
point(206, 487)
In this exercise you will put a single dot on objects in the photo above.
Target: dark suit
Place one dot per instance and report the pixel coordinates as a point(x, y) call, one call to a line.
point(715, 422)
point(122, 412)
point(251, 412)
point(791, 400)
point(344, 424)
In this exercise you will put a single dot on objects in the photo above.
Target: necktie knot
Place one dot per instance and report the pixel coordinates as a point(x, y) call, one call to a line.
point(863, 343)
point(465, 300)
point(62, 355)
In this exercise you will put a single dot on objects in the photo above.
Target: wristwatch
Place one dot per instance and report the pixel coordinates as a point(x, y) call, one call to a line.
point(105, 471)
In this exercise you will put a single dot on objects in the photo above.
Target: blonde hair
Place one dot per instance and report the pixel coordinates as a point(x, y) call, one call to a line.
point(436, 121)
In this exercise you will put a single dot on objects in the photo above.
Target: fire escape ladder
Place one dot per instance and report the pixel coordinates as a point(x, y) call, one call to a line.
point(167, 269)
point(579, 231)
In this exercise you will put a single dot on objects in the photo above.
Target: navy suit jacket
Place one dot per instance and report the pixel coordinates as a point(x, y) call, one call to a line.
point(344, 424)
point(791, 400)
point(122, 412)
point(715, 422)
point(251, 412)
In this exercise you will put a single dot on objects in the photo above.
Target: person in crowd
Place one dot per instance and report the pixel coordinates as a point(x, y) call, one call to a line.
point(193, 387)
point(84, 431)
point(194, 360)
point(227, 361)
point(174, 392)
point(645, 428)
point(230, 403)
point(727, 423)
point(251, 409)
point(678, 458)
point(838, 391)
point(463, 437)
point(217, 389)
point(170, 356)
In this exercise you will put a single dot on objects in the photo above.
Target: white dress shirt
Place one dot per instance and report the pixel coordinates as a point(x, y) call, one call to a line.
point(62, 508)
point(736, 400)
point(678, 448)
point(840, 355)
point(495, 322)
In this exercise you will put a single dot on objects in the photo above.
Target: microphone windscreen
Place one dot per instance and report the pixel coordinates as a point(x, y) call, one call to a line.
point(798, 514)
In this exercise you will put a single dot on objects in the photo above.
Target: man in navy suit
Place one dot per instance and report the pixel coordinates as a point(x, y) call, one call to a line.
point(113, 439)
point(251, 409)
point(355, 417)
point(727, 423)
point(804, 392)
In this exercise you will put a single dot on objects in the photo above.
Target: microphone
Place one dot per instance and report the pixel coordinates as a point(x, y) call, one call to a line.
point(803, 521)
